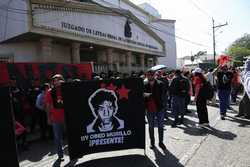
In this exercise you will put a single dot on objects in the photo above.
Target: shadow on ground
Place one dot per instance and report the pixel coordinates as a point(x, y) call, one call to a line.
point(122, 161)
point(166, 159)
point(37, 150)
point(241, 121)
point(196, 131)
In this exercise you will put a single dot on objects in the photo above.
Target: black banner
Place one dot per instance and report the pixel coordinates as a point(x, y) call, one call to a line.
point(104, 116)
point(8, 150)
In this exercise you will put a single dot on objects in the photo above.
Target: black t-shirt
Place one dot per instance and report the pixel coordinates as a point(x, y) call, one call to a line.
point(224, 80)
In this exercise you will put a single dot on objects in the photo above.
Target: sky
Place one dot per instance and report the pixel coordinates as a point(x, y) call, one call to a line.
point(194, 22)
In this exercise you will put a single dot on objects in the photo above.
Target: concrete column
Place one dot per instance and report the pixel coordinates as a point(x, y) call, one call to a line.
point(110, 58)
point(46, 50)
point(142, 62)
point(75, 53)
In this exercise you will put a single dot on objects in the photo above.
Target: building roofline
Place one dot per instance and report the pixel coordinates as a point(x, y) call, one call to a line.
point(164, 20)
point(139, 8)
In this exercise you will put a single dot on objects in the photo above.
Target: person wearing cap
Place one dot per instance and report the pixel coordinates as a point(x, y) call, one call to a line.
point(153, 93)
point(201, 102)
point(54, 105)
point(211, 79)
point(224, 82)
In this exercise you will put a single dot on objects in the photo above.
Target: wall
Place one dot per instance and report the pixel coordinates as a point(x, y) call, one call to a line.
point(169, 27)
point(106, 28)
point(13, 22)
point(61, 54)
point(23, 52)
point(150, 9)
point(123, 5)
point(167, 32)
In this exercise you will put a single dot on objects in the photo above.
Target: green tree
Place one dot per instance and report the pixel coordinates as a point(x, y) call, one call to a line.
point(239, 49)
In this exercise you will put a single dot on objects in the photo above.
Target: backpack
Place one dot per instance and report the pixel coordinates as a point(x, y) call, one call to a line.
point(183, 86)
point(207, 91)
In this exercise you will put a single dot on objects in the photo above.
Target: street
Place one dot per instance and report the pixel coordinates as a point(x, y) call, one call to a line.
point(225, 143)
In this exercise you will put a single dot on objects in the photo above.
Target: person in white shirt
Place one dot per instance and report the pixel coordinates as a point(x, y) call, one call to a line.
point(211, 79)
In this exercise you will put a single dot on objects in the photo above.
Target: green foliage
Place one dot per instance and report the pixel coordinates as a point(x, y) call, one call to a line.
point(239, 49)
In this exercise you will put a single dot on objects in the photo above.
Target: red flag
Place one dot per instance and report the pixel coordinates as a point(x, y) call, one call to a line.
point(223, 59)
point(4, 74)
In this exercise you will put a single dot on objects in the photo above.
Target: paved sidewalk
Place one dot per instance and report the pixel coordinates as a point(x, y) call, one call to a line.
point(182, 143)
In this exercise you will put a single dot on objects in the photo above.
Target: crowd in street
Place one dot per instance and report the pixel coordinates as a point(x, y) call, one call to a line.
point(42, 105)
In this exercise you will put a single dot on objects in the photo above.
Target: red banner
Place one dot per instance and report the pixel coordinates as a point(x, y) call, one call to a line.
point(42, 72)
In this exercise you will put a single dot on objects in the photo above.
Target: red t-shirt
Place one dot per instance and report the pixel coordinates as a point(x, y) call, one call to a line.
point(151, 105)
point(56, 114)
point(19, 129)
point(197, 85)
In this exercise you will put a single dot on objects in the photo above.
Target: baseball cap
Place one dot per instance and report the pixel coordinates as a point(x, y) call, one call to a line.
point(197, 70)
point(58, 76)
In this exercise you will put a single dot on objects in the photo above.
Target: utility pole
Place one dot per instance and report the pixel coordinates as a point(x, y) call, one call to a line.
point(214, 27)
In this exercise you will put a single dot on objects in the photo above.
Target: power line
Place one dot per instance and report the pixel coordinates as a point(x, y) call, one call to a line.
point(200, 9)
point(184, 39)
point(166, 32)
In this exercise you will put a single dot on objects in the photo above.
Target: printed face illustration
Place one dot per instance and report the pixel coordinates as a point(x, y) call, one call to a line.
point(105, 112)
point(104, 107)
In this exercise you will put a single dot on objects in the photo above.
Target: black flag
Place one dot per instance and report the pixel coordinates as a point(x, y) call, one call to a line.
point(104, 116)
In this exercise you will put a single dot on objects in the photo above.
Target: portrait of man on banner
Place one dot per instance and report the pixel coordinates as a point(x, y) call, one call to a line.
point(104, 107)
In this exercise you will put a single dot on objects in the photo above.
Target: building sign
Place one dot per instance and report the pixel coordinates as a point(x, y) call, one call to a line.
point(106, 27)
point(104, 116)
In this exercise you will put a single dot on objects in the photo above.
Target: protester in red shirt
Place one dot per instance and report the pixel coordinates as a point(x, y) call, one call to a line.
point(54, 105)
point(201, 102)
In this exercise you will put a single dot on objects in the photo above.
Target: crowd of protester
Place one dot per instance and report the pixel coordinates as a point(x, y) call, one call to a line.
point(39, 111)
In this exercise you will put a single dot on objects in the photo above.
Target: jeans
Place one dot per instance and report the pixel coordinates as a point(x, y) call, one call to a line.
point(160, 122)
point(178, 107)
point(224, 97)
point(58, 138)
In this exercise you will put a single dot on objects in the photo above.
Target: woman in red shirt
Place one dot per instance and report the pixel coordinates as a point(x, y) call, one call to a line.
point(201, 102)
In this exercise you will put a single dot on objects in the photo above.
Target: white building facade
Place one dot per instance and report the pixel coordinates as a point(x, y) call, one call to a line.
point(109, 34)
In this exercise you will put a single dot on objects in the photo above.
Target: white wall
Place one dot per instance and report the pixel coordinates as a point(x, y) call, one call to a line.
point(60, 54)
point(170, 43)
point(30, 52)
point(13, 22)
point(167, 32)
point(150, 9)
point(90, 25)
point(120, 4)
point(23, 52)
